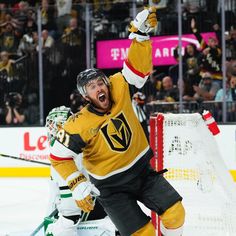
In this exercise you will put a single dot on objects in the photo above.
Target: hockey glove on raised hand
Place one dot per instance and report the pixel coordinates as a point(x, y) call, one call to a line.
point(82, 191)
point(144, 22)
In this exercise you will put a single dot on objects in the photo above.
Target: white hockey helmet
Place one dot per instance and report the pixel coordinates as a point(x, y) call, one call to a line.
point(55, 120)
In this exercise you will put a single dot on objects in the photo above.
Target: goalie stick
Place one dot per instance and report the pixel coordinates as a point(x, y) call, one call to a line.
point(42, 224)
point(83, 218)
point(22, 159)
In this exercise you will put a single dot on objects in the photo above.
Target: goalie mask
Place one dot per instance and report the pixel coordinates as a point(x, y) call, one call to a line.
point(55, 120)
point(87, 75)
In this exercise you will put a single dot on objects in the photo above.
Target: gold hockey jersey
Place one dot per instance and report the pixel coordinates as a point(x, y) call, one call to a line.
point(114, 142)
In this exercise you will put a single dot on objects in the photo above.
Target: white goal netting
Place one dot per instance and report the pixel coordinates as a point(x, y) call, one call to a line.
point(184, 145)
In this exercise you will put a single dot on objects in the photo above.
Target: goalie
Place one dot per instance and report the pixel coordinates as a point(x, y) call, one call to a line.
point(70, 214)
point(116, 153)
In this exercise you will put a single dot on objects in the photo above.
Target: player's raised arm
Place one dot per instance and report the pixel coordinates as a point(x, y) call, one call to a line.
point(138, 65)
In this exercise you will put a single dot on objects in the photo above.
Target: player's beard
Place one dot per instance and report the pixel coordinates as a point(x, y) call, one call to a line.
point(102, 105)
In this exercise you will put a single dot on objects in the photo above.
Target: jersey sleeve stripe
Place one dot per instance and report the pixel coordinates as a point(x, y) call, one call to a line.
point(126, 63)
point(60, 158)
point(134, 77)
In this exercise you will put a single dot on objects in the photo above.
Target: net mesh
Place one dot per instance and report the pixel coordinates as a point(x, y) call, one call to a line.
point(197, 171)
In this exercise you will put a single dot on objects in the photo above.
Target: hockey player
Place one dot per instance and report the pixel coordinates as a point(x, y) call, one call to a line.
point(116, 153)
point(61, 196)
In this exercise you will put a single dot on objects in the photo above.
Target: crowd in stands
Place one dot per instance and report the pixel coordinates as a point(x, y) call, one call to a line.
point(202, 76)
point(63, 50)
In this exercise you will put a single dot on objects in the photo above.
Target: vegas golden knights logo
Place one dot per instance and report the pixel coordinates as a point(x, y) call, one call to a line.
point(118, 133)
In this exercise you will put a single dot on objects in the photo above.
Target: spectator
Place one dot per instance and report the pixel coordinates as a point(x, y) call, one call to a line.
point(168, 18)
point(230, 97)
point(207, 88)
point(190, 64)
point(35, 41)
point(230, 93)
point(26, 45)
point(21, 14)
point(99, 7)
point(47, 41)
point(190, 52)
point(74, 49)
point(15, 114)
point(8, 19)
point(9, 80)
point(9, 39)
point(48, 13)
point(231, 45)
point(231, 68)
point(168, 92)
point(29, 46)
point(192, 72)
point(138, 103)
point(72, 34)
point(152, 85)
point(211, 55)
point(230, 10)
point(193, 8)
point(31, 24)
point(63, 14)
point(191, 78)
point(6, 63)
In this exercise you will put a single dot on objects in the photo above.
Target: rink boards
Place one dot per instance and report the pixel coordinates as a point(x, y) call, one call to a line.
point(31, 143)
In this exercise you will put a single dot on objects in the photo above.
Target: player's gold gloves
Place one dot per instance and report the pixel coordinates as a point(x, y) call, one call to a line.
point(145, 21)
point(86, 204)
point(82, 191)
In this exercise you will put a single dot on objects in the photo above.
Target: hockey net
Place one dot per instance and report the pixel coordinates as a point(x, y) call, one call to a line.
point(183, 144)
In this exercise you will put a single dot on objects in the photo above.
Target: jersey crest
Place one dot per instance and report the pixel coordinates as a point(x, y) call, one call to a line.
point(117, 133)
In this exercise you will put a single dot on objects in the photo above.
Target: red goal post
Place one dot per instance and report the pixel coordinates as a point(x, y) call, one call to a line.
point(183, 144)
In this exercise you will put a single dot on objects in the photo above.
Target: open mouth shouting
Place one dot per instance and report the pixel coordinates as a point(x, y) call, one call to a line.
point(102, 97)
point(103, 101)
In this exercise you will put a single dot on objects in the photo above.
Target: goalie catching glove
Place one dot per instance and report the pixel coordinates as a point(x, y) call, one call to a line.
point(144, 22)
point(82, 191)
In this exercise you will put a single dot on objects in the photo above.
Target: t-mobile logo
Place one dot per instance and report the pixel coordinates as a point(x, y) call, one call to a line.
point(119, 53)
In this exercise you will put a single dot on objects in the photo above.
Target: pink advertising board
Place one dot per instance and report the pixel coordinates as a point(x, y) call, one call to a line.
point(112, 53)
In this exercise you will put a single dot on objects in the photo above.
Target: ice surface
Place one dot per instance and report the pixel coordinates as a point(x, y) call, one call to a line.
point(23, 205)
